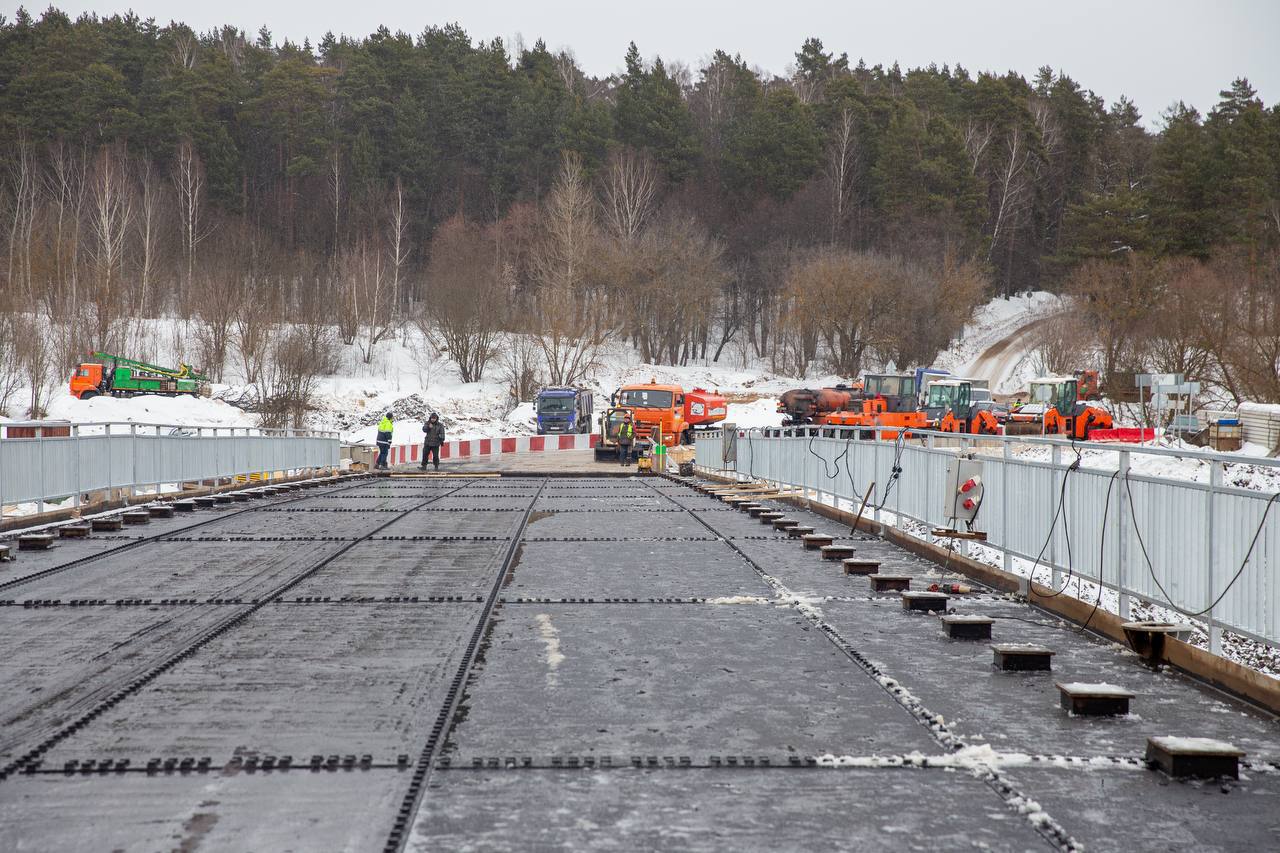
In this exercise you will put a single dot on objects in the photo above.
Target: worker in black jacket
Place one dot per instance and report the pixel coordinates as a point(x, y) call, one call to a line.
point(433, 437)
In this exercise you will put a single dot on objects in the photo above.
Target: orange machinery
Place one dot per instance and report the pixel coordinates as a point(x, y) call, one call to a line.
point(668, 408)
point(950, 408)
point(810, 405)
point(1054, 409)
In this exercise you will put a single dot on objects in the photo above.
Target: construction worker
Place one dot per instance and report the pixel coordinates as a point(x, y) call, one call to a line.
point(432, 438)
point(384, 441)
point(626, 435)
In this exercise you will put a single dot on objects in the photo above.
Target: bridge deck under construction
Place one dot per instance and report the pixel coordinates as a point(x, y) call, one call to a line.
point(532, 662)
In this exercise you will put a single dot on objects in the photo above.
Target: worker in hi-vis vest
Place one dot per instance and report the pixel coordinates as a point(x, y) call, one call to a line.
point(626, 435)
point(384, 440)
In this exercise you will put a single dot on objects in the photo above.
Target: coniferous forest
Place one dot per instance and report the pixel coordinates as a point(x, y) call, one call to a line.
point(286, 200)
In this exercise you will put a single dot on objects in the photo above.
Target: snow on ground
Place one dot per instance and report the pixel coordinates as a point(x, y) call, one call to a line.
point(1010, 369)
point(148, 409)
point(1247, 474)
point(402, 382)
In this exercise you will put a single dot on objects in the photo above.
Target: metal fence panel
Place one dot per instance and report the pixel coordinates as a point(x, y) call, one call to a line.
point(1167, 541)
point(129, 456)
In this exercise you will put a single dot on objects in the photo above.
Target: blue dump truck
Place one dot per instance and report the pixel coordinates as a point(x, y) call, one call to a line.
point(562, 410)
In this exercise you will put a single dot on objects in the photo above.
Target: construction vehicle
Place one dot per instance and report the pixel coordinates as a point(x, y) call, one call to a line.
point(951, 407)
point(1088, 385)
point(875, 414)
point(1053, 408)
point(898, 390)
point(808, 405)
point(610, 423)
point(926, 375)
point(563, 410)
point(125, 377)
point(659, 412)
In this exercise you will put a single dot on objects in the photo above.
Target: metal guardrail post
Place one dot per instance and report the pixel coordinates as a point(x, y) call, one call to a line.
point(1215, 482)
point(133, 449)
point(75, 443)
point(1007, 456)
point(1122, 537)
point(43, 489)
point(1060, 493)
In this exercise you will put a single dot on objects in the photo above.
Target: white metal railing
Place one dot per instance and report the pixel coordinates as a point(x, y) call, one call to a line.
point(93, 457)
point(1171, 542)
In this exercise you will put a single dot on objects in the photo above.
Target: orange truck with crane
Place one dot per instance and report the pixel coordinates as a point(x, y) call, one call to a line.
point(658, 409)
point(126, 377)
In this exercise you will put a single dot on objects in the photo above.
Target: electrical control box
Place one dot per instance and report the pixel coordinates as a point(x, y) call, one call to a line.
point(962, 497)
point(729, 448)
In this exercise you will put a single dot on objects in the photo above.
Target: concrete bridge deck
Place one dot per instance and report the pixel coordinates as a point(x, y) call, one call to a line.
point(563, 662)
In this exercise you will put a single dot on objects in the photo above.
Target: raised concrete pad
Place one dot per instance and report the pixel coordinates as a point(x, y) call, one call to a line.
point(889, 583)
point(967, 626)
point(924, 601)
point(1094, 699)
point(1194, 757)
point(1021, 657)
point(860, 566)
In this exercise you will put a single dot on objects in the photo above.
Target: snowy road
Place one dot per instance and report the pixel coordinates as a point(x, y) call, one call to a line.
point(998, 363)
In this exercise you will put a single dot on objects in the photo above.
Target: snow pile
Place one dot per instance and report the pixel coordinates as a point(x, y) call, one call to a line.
point(149, 409)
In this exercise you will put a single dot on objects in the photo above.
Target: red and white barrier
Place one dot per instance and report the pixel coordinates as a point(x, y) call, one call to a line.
point(405, 454)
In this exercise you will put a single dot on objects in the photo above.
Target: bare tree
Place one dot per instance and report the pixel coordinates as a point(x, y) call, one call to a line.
point(841, 166)
point(1011, 186)
point(36, 357)
point(464, 316)
point(66, 187)
point(397, 247)
point(520, 360)
point(977, 137)
point(110, 219)
point(189, 182)
point(335, 186)
point(10, 356)
point(149, 222)
point(366, 301)
point(23, 183)
point(572, 324)
point(629, 188)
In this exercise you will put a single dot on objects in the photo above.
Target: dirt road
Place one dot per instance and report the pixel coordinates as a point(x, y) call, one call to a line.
point(998, 362)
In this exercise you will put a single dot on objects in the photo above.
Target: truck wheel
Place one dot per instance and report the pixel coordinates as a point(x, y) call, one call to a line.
point(88, 395)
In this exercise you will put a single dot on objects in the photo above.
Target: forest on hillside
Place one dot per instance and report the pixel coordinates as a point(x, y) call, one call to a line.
point(287, 200)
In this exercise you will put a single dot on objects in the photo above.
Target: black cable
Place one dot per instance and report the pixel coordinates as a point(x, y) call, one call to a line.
point(1151, 569)
point(1102, 550)
point(900, 444)
point(1062, 501)
point(823, 459)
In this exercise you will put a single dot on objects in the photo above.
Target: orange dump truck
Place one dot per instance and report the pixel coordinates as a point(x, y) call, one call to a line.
point(660, 409)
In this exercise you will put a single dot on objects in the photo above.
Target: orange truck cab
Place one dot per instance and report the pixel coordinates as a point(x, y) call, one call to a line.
point(668, 408)
point(87, 377)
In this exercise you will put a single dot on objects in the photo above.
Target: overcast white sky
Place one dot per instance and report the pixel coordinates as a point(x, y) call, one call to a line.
point(1154, 51)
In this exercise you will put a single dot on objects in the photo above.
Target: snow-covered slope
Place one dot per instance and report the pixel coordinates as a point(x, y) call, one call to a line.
point(1000, 343)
